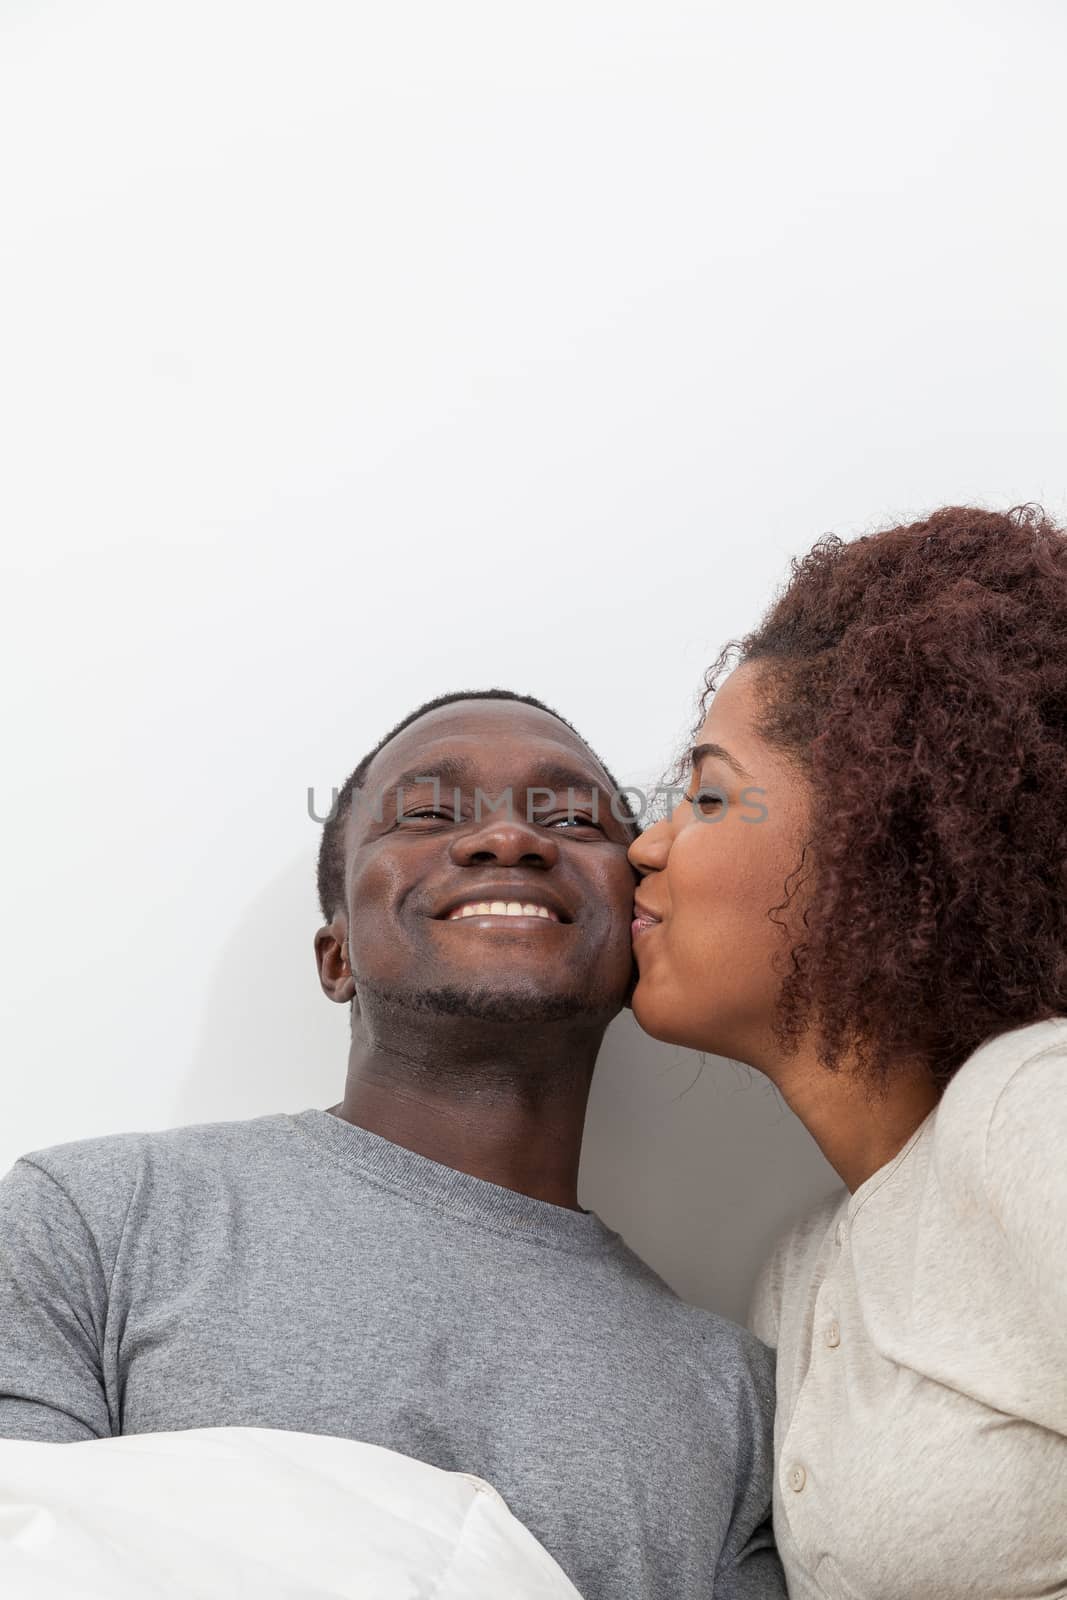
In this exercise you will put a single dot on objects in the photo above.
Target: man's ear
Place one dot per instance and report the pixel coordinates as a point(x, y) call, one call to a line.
point(331, 956)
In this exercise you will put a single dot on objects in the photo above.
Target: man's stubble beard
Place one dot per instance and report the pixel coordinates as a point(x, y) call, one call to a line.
point(489, 1005)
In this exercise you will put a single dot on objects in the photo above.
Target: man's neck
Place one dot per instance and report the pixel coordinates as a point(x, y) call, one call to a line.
point(502, 1102)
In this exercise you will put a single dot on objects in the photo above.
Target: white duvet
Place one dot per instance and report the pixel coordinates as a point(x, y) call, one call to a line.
point(256, 1514)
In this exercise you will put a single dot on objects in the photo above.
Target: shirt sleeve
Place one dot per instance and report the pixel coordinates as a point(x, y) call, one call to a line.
point(53, 1305)
point(766, 1299)
point(756, 1573)
point(749, 1568)
point(1025, 1171)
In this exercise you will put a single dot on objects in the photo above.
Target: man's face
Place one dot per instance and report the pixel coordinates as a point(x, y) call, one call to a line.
point(501, 891)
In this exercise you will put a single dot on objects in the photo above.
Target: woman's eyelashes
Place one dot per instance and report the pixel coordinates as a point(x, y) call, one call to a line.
point(707, 799)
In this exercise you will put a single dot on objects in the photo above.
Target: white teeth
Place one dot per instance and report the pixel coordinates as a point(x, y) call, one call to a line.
point(502, 908)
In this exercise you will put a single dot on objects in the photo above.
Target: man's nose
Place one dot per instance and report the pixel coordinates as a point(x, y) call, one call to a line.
point(506, 841)
point(650, 850)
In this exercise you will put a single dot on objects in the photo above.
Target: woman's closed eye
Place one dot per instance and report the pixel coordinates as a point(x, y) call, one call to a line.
point(707, 799)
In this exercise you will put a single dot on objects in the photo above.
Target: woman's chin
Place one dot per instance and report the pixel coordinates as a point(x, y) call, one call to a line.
point(656, 1016)
point(668, 1018)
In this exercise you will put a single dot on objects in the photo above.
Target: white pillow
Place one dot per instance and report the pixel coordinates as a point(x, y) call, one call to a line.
point(256, 1514)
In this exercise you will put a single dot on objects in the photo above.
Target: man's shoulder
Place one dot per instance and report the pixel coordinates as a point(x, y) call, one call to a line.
point(731, 1350)
point(731, 1378)
point(105, 1165)
point(720, 1349)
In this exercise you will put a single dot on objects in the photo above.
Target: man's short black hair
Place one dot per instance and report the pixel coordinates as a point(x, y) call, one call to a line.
point(331, 865)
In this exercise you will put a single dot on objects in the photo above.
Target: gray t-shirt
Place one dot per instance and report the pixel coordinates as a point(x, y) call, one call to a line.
point(294, 1271)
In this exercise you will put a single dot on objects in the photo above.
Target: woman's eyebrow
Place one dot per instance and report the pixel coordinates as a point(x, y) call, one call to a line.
point(699, 751)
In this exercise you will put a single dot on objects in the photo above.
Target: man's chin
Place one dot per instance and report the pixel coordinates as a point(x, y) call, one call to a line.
point(505, 1004)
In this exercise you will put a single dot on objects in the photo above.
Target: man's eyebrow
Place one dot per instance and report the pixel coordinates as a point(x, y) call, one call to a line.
point(699, 751)
point(453, 771)
point(447, 769)
point(558, 775)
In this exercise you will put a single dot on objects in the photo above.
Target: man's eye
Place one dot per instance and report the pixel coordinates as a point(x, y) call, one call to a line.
point(572, 821)
point(428, 813)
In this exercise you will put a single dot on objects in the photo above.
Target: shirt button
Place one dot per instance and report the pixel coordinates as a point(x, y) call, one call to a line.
point(833, 1335)
point(797, 1478)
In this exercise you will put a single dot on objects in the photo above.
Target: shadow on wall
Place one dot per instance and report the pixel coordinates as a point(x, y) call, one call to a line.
point(694, 1160)
point(269, 1038)
point(697, 1162)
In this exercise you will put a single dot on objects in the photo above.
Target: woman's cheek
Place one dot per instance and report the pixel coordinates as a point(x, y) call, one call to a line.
point(700, 863)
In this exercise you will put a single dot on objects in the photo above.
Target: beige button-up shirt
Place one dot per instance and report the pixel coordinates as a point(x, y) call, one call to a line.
point(921, 1335)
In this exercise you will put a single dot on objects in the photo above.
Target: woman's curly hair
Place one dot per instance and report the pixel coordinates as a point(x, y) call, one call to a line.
point(917, 677)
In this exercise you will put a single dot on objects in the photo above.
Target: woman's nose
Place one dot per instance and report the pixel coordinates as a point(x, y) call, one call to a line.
point(649, 852)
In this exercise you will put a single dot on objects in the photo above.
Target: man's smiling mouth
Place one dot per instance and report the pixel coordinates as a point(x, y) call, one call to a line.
point(501, 908)
point(517, 903)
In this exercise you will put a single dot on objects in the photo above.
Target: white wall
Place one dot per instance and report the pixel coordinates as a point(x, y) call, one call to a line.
point(352, 353)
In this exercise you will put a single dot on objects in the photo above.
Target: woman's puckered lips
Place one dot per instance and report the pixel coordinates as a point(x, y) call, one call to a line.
point(644, 917)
